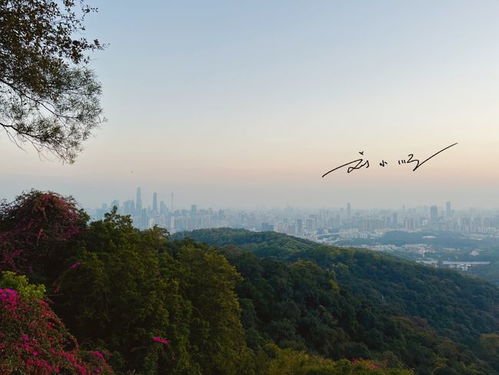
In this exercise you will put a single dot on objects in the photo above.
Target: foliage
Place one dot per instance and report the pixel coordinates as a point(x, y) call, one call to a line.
point(154, 305)
point(455, 305)
point(489, 343)
point(36, 231)
point(156, 308)
point(207, 281)
point(20, 284)
point(443, 312)
point(48, 96)
point(302, 307)
point(291, 362)
point(488, 272)
point(115, 297)
point(33, 338)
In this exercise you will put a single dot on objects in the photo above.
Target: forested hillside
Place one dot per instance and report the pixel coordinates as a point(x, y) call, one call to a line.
point(459, 308)
point(104, 297)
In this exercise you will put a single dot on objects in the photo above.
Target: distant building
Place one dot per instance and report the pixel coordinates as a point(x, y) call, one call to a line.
point(328, 225)
point(433, 214)
point(463, 266)
point(448, 210)
point(299, 227)
point(129, 207)
point(395, 219)
point(138, 201)
point(155, 202)
point(162, 208)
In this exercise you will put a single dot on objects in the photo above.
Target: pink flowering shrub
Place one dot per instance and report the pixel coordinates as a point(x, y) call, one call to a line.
point(33, 340)
point(161, 340)
point(75, 265)
point(35, 231)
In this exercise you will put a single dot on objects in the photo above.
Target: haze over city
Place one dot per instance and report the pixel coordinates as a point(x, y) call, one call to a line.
point(248, 105)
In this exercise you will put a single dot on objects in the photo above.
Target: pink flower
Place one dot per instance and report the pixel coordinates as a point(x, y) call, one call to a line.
point(99, 355)
point(7, 294)
point(76, 265)
point(161, 340)
point(10, 298)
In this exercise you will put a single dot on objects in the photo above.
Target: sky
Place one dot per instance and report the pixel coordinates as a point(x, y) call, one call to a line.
point(248, 103)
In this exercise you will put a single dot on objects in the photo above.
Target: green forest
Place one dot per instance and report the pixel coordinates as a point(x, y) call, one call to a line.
point(443, 241)
point(81, 297)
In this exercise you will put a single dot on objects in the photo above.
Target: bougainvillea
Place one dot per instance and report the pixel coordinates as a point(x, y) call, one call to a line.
point(35, 230)
point(33, 340)
point(161, 340)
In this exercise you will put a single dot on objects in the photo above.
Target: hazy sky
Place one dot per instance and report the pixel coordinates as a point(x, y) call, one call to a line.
point(246, 103)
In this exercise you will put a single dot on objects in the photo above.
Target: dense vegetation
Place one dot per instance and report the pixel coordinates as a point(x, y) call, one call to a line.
point(139, 302)
point(434, 302)
point(488, 272)
point(33, 338)
point(450, 246)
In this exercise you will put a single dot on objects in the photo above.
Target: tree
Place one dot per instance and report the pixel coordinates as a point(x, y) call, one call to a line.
point(157, 307)
point(48, 95)
point(292, 362)
point(208, 282)
point(37, 231)
point(114, 297)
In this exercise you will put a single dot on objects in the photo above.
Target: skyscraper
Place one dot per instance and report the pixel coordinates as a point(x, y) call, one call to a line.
point(138, 201)
point(433, 214)
point(155, 202)
point(299, 227)
point(448, 210)
point(162, 208)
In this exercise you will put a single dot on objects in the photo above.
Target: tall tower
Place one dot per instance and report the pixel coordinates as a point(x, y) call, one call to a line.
point(433, 214)
point(155, 202)
point(448, 209)
point(138, 200)
point(349, 211)
point(171, 206)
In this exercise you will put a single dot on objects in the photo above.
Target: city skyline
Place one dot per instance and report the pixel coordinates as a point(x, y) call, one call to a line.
point(167, 199)
point(308, 223)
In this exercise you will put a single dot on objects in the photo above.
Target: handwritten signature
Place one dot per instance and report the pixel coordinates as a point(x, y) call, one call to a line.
point(361, 163)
